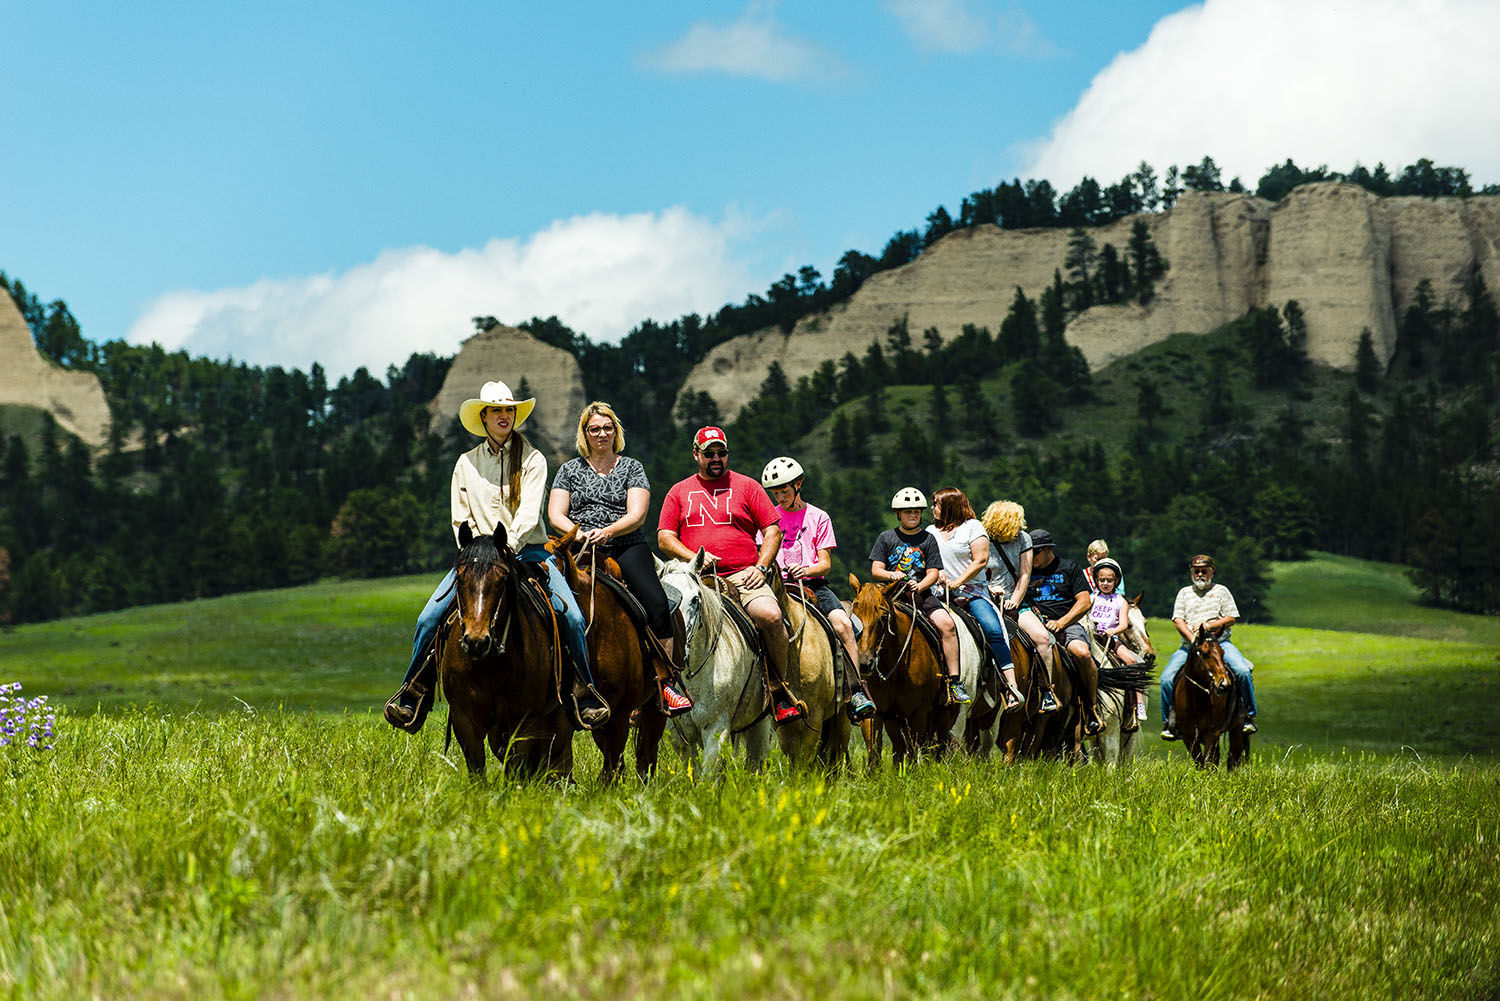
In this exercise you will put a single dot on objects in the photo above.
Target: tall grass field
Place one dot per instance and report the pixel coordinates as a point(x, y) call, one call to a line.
point(224, 815)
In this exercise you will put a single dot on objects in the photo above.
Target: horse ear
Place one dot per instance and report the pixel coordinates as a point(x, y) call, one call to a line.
point(1136, 601)
point(500, 537)
point(699, 558)
point(465, 534)
point(567, 538)
point(656, 561)
point(854, 583)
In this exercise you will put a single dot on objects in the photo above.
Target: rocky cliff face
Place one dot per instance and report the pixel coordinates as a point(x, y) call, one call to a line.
point(75, 399)
point(508, 354)
point(1351, 260)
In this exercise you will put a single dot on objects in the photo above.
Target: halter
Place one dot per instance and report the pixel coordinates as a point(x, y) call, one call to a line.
point(889, 630)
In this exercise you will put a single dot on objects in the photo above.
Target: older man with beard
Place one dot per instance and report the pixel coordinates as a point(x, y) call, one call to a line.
point(1204, 603)
point(720, 511)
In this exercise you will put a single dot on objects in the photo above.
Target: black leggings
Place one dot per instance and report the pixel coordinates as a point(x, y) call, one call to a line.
point(639, 571)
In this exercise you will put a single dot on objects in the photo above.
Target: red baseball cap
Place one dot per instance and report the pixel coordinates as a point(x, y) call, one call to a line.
point(708, 436)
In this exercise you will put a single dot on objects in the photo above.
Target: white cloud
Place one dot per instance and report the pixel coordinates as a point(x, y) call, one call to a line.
point(1252, 82)
point(968, 26)
point(600, 274)
point(752, 45)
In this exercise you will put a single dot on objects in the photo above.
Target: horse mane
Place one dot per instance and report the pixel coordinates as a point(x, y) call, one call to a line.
point(481, 554)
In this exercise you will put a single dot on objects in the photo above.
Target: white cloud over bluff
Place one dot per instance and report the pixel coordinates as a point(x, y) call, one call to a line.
point(1252, 82)
point(601, 274)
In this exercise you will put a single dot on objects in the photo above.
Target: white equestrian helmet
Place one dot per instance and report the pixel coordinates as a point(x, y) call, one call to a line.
point(780, 472)
point(908, 497)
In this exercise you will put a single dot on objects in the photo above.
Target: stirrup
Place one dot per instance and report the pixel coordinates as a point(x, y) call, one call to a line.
point(408, 714)
point(595, 714)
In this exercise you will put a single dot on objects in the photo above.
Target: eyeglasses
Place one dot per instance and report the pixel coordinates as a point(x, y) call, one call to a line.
point(1198, 570)
point(601, 429)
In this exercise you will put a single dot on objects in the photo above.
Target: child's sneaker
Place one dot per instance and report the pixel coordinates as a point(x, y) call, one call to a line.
point(1140, 709)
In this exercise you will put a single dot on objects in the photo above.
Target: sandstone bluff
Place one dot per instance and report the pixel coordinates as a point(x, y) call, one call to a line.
point(1351, 259)
point(509, 353)
point(75, 399)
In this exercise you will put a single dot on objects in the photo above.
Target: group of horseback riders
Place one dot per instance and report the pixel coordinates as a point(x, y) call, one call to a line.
point(991, 567)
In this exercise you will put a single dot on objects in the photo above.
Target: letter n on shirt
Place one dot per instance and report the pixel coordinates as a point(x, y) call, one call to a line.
point(705, 509)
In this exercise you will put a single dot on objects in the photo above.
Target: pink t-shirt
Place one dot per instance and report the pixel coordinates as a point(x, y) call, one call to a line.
point(1107, 611)
point(803, 534)
point(723, 516)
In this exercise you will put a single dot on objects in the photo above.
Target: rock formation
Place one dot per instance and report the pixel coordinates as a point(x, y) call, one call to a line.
point(1351, 259)
point(75, 399)
point(509, 355)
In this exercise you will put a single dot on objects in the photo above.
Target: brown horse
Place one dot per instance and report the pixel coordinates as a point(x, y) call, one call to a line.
point(905, 674)
point(623, 659)
point(1205, 703)
point(1027, 732)
point(500, 660)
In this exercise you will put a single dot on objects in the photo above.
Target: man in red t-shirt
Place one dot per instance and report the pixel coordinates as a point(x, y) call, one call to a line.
point(720, 511)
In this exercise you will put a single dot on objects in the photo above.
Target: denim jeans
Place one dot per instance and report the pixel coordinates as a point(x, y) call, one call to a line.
point(572, 628)
point(1239, 668)
point(993, 627)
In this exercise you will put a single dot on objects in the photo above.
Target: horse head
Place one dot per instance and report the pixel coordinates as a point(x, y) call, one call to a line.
point(485, 579)
point(874, 606)
point(685, 579)
point(1206, 663)
point(1136, 637)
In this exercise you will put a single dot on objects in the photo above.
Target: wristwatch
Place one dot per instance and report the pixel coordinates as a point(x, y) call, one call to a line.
point(764, 571)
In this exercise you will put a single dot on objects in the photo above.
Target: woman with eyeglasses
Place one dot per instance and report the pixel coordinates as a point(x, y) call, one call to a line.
point(605, 495)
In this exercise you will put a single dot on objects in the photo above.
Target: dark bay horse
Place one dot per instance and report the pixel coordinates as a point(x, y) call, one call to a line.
point(623, 659)
point(500, 661)
point(1027, 732)
point(905, 674)
point(1205, 703)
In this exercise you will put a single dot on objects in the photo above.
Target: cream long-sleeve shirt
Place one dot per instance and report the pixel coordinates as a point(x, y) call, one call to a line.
point(479, 488)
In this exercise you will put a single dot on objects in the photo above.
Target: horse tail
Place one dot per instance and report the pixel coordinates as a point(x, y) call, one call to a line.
point(1124, 678)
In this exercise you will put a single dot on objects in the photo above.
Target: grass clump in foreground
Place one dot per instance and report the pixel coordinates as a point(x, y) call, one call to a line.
point(317, 855)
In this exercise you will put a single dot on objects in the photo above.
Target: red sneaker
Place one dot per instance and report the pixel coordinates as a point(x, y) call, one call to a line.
point(674, 702)
point(786, 712)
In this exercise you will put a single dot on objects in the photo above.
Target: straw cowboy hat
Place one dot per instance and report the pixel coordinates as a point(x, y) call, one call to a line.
point(493, 394)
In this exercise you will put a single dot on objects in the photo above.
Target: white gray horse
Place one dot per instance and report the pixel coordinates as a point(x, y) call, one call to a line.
point(1114, 747)
point(723, 676)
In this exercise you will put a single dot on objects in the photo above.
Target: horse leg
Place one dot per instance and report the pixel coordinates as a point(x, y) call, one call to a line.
point(470, 741)
point(1239, 747)
point(649, 726)
point(758, 744)
point(874, 737)
point(611, 740)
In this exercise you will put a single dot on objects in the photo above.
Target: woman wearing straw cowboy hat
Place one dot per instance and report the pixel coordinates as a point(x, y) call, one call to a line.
point(502, 481)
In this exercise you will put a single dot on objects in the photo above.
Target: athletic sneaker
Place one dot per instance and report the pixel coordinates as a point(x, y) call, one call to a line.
point(958, 695)
point(1049, 702)
point(1249, 726)
point(860, 707)
point(1167, 734)
point(786, 712)
point(674, 702)
point(1140, 709)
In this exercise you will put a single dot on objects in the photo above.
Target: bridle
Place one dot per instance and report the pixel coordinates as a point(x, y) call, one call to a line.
point(887, 624)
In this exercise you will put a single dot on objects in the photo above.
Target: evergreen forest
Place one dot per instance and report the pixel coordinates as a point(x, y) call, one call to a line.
point(221, 476)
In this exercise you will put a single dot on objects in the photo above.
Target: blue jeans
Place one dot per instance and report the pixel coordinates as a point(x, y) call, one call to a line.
point(993, 627)
point(1238, 666)
point(572, 628)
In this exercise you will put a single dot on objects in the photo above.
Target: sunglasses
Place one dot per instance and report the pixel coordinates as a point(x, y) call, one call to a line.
point(716, 453)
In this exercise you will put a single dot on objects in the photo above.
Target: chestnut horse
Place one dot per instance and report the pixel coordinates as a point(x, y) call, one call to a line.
point(1025, 731)
point(624, 665)
point(1206, 704)
point(500, 661)
point(904, 672)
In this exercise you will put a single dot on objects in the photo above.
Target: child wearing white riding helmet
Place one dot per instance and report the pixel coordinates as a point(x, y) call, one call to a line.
point(1109, 617)
point(805, 556)
point(907, 552)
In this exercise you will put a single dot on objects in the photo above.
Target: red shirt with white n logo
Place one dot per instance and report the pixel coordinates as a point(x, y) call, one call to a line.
point(721, 516)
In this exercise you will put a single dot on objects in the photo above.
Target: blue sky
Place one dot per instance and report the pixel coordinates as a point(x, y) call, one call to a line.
point(350, 182)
